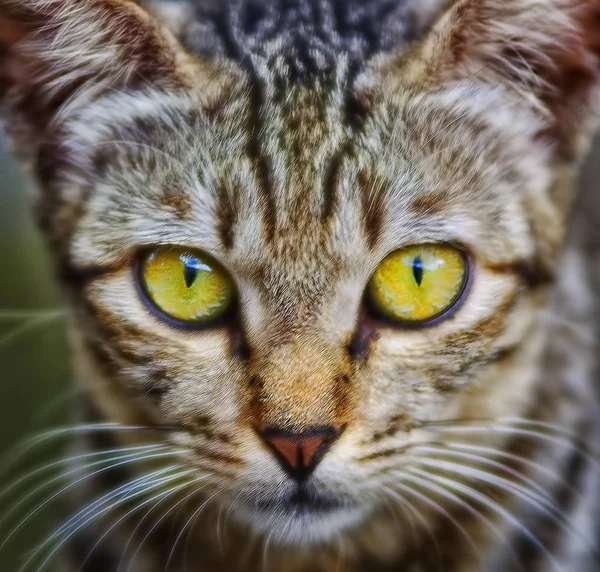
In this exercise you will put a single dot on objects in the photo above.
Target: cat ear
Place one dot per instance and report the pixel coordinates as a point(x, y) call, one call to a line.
point(65, 53)
point(545, 52)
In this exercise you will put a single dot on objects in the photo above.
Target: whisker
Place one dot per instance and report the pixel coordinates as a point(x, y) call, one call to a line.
point(498, 509)
point(423, 481)
point(408, 517)
point(519, 458)
point(10, 315)
point(172, 508)
point(66, 461)
point(500, 421)
point(132, 460)
point(582, 448)
point(486, 461)
point(192, 518)
point(20, 450)
point(26, 327)
point(124, 490)
point(265, 552)
point(549, 508)
point(95, 516)
point(62, 476)
point(165, 495)
point(437, 508)
point(134, 531)
point(542, 424)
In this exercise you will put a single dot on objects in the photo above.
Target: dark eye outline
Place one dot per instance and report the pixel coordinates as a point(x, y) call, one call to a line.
point(225, 320)
point(371, 308)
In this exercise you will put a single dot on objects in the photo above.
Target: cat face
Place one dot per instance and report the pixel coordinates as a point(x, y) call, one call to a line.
point(304, 405)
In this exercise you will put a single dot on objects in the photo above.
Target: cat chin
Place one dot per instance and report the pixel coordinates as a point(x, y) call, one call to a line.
point(287, 525)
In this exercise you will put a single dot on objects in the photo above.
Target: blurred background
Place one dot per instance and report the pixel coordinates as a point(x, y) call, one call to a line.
point(35, 383)
point(36, 390)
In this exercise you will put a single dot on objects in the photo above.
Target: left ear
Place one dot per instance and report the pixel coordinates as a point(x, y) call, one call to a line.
point(58, 55)
point(545, 52)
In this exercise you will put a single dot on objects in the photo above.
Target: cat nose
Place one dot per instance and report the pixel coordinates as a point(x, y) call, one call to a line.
point(300, 453)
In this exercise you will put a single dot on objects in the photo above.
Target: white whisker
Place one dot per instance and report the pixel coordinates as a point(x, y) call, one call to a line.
point(498, 509)
point(26, 327)
point(123, 490)
point(95, 516)
point(423, 481)
point(129, 461)
point(541, 503)
point(485, 461)
point(166, 514)
point(438, 508)
point(192, 518)
point(66, 461)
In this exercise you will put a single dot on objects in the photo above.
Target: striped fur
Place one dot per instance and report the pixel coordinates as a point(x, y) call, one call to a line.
point(299, 142)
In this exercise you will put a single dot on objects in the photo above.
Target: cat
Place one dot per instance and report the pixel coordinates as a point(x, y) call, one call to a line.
point(323, 296)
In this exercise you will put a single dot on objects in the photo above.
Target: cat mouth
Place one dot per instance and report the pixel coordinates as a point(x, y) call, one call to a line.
point(303, 502)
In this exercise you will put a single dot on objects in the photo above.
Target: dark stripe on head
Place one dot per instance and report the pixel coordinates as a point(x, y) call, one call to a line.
point(260, 162)
point(342, 398)
point(313, 36)
point(176, 200)
point(331, 183)
point(370, 190)
point(227, 214)
point(429, 203)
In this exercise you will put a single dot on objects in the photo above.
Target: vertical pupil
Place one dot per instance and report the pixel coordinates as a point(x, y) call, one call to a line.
point(189, 274)
point(418, 270)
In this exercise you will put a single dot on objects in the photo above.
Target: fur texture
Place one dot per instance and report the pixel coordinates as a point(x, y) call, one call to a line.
point(299, 143)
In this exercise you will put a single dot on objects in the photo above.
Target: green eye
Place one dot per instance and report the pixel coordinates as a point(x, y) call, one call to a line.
point(418, 284)
point(186, 285)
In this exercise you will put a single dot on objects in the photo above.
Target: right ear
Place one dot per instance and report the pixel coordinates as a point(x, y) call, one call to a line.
point(546, 53)
point(59, 55)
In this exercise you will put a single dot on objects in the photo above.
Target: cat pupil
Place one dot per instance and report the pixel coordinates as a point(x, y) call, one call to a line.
point(418, 270)
point(189, 274)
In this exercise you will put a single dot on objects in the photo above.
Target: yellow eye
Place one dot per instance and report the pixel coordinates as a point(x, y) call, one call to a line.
point(186, 285)
point(418, 283)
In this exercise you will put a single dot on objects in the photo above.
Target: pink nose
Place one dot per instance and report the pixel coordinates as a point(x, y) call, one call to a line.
point(300, 453)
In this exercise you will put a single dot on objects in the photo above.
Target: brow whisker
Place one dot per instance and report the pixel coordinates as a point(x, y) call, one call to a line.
point(26, 327)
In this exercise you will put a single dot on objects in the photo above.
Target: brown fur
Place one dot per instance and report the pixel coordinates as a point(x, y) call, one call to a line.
point(300, 184)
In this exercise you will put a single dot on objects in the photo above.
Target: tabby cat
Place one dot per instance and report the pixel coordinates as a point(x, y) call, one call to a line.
point(323, 299)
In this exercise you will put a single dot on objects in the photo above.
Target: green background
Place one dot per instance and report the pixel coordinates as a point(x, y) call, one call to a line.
point(35, 382)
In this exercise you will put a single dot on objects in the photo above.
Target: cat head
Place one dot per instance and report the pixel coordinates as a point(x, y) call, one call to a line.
point(298, 258)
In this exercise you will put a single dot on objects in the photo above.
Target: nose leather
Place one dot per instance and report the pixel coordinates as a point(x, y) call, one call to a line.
point(300, 453)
